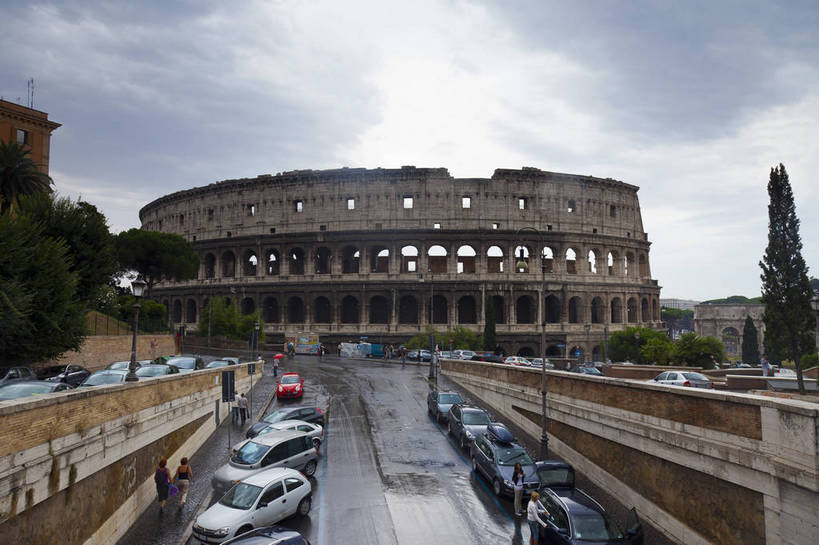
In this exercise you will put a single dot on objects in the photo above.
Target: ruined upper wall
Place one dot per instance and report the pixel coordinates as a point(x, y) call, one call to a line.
point(267, 204)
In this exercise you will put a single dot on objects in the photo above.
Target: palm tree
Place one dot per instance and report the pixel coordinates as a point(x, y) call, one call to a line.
point(19, 176)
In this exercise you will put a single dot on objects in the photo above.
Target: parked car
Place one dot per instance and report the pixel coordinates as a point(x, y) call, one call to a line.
point(555, 474)
point(105, 376)
point(270, 535)
point(684, 378)
point(260, 499)
point(464, 354)
point(517, 360)
point(186, 364)
point(576, 518)
point(446, 354)
point(12, 374)
point(162, 359)
point(126, 364)
point(24, 388)
point(784, 372)
point(157, 370)
point(465, 422)
point(425, 355)
point(290, 386)
point(438, 403)
point(495, 453)
point(315, 431)
point(303, 412)
point(412, 355)
point(219, 363)
point(70, 374)
point(293, 449)
point(232, 359)
point(538, 363)
point(583, 370)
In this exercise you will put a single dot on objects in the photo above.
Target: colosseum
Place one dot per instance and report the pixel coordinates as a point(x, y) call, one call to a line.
point(382, 253)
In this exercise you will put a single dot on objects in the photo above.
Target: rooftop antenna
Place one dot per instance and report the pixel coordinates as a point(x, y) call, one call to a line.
point(31, 93)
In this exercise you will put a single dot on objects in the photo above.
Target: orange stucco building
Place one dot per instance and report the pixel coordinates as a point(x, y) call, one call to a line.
point(29, 127)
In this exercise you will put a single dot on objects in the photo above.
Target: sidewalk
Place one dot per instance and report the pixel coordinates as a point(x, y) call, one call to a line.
point(169, 527)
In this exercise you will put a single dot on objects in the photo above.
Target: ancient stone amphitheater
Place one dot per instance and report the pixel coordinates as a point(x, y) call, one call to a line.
point(382, 253)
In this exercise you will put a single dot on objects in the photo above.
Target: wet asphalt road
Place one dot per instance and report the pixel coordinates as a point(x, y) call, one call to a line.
point(388, 473)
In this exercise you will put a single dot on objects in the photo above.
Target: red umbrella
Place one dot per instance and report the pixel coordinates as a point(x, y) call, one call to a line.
point(278, 356)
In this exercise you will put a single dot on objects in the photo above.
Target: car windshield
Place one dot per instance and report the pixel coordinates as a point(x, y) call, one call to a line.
point(695, 376)
point(513, 456)
point(103, 378)
point(449, 399)
point(119, 365)
point(151, 371)
point(277, 416)
point(183, 363)
point(561, 476)
point(290, 379)
point(595, 527)
point(476, 418)
point(218, 363)
point(241, 496)
point(14, 391)
point(250, 453)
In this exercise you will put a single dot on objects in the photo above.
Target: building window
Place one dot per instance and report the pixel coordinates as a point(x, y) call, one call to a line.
point(407, 202)
point(181, 219)
point(251, 210)
point(436, 225)
point(272, 230)
point(351, 204)
point(322, 227)
point(496, 226)
point(613, 211)
point(571, 207)
point(522, 203)
point(466, 202)
point(22, 136)
point(210, 214)
point(299, 206)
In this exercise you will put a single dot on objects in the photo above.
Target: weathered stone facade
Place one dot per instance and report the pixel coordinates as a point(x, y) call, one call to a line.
point(353, 252)
point(727, 322)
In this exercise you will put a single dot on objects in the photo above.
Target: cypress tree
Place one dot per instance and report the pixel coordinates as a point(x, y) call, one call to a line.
point(750, 343)
point(786, 290)
point(489, 340)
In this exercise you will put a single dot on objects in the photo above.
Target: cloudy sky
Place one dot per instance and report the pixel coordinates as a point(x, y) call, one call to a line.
point(691, 101)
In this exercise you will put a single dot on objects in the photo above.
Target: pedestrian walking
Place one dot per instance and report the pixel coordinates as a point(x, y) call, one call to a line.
point(275, 367)
point(182, 479)
point(533, 511)
point(162, 478)
point(517, 480)
point(243, 408)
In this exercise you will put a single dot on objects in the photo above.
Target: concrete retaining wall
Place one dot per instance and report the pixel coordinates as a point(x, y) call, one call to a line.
point(706, 467)
point(77, 467)
point(98, 351)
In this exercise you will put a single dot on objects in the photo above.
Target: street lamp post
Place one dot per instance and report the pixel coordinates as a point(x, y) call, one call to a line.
point(137, 288)
point(544, 419)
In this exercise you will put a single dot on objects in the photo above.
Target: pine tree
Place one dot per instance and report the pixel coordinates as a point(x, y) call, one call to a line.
point(750, 343)
point(786, 290)
point(489, 340)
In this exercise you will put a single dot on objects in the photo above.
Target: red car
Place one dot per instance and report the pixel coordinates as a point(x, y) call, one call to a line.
point(290, 386)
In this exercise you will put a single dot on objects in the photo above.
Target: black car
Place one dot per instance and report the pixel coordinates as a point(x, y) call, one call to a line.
point(70, 374)
point(438, 403)
point(465, 422)
point(555, 474)
point(495, 453)
point(186, 364)
point(13, 374)
point(24, 388)
point(271, 535)
point(575, 518)
point(310, 414)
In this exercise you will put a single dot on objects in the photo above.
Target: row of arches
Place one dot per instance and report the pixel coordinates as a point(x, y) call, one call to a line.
point(577, 309)
point(466, 260)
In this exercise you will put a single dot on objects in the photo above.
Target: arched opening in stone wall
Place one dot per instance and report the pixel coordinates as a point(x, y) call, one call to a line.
point(593, 261)
point(631, 310)
point(437, 256)
point(249, 263)
point(466, 259)
point(494, 259)
point(248, 306)
point(575, 310)
point(228, 265)
point(350, 260)
point(273, 263)
point(295, 310)
point(521, 257)
point(408, 310)
point(524, 310)
point(526, 352)
point(467, 310)
point(571, 261)
point(379, 259)
point(616, 310)
point(598, 309)
point(548, 255)
point(628, 264)
point(177, 311)
point(655, 310)
point(323, 258)
point(645, 315)
point(553, 309)
point(553, 351)
point(210, 265)
point(500, 309)
point(322, 311)
point(271, 310)
point(612, 260)
point(409, 259)
point(643, 266)
point(350, 310)
point(380, 310)
point(730, 338)
point(439, 309)
point(190, 311)
point(296, 258)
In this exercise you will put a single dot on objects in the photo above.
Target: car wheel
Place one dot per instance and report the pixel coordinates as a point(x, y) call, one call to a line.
point(316, 442)
point(304, 506)
point(496, 487)
point(310, 468)
point(244, 529)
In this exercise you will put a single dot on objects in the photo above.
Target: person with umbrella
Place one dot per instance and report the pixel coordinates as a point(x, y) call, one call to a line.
point(276, 359)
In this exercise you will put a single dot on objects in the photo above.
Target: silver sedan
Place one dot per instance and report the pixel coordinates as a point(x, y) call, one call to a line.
point(314, 431)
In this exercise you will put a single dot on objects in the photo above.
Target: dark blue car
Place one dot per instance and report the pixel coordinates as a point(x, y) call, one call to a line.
point(575, 518)
point(495, 453)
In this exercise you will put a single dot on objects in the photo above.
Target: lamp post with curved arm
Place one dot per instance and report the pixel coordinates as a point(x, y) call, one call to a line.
point(137, 288)
point(544, 420)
